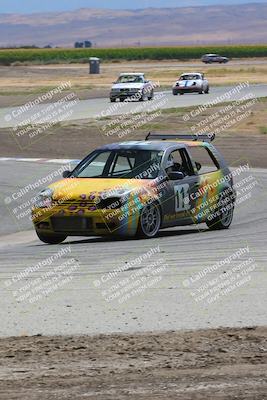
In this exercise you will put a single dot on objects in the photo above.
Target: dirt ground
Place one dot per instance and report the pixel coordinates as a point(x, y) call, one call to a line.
point(222, 364)
point(22, 83)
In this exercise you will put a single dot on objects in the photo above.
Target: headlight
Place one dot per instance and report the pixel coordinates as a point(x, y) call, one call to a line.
point(110, 203)
point(114, 199)
point(44, 199)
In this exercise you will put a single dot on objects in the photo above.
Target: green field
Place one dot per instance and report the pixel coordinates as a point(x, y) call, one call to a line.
point(46, 56)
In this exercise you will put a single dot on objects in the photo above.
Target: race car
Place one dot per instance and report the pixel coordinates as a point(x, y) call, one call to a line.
point(191, 83)
point(214, 58)
point(136, 188)
point(133, 86)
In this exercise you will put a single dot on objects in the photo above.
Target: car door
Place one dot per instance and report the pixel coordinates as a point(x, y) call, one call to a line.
point(146, 87)
point(204, 82)
point(208, 175)
point(177, 198)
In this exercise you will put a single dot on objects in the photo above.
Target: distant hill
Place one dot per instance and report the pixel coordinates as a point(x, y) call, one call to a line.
point(222, 24)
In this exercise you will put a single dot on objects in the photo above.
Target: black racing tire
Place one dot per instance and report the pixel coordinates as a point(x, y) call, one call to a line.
point(149, 221)
point(207, 90)
point(174, 92)
point(200, 91)
point(121, 99)
point(52, 238)
point(181, 93)
point(223, 215)
point(112, 100)
point(142, 97)
point(151, 97)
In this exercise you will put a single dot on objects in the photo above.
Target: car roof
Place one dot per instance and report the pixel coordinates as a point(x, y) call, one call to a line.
point(132, 73)
point(211, 54)
point(151, 145)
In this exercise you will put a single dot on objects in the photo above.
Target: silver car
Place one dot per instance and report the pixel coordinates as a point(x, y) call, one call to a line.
point(193, 82)
point(133, 86)
point(214, 58)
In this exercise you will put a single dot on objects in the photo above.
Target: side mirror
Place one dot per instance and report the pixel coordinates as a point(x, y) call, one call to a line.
point(198, 166)
point(66, 174)
point(176, 176)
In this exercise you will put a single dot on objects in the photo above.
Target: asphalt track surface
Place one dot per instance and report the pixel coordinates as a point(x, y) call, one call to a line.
point(79, 307)
point(101, 107)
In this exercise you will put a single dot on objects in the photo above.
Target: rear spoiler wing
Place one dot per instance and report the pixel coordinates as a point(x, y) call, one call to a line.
point(203, 138)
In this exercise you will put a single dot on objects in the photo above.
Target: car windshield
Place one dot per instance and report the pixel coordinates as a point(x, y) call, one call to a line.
point(135, 164)
point(189, 77)
point(130, 79)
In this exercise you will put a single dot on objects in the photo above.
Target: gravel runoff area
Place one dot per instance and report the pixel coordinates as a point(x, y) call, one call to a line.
point(220, 364)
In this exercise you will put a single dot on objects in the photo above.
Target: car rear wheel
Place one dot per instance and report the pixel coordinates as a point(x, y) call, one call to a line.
point(223, 216)
point(149, 221)
point(112, 100)
point(51, 238)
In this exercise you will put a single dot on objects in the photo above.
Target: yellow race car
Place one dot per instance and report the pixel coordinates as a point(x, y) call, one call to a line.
point(135, 188)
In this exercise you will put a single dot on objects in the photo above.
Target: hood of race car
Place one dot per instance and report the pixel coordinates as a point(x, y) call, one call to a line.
point(184, 83)
point(92, 188)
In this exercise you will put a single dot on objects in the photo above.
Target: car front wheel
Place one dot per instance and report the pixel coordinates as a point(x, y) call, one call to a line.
point(142, 97)
point(51, 238)
point(151, 96)
point(149, 221)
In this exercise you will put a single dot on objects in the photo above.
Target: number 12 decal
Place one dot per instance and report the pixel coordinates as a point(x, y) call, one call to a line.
point(182, 202)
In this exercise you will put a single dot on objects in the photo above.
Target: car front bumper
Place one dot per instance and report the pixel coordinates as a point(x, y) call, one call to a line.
point(124, 94)
point(85, 222)
point(186, 89)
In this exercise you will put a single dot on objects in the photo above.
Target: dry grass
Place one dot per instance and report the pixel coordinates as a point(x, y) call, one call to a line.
point(38, 79)
point(171, 120)
point(246, 140)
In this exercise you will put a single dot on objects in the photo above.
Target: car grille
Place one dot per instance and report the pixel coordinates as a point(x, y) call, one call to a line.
point(71, 224)
point(78, 203)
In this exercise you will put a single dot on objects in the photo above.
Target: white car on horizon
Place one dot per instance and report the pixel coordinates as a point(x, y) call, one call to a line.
point(132, 85)
point(193, 82)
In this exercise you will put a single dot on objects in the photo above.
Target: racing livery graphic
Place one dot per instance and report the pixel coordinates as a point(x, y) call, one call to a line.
point(136, 188)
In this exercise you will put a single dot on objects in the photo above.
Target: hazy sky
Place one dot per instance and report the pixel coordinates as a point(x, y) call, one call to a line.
point(28, 6)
